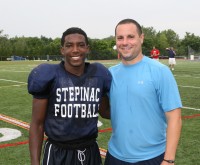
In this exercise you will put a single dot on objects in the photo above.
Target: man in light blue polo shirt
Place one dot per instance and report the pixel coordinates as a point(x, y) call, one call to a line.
point(145, 105)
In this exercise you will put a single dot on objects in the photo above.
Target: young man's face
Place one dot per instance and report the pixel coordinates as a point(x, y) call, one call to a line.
point(128, 41)
point(74, 50)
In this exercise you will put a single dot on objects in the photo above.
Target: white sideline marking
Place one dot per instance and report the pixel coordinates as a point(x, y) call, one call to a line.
point(186, 76)
point(13, 81)
point(12, 85)
point(26, 125)
point(191, 108)
point(14, 121)
point(15, 71)
point(188, 86)
point(103, 152)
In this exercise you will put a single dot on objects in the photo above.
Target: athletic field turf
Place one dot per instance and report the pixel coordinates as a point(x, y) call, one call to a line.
point(15, 111)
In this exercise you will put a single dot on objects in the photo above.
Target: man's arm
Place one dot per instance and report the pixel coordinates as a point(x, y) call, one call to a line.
point(158, 52)
point(174, 124)
point(36, 132)
point(151, 53)
point(104, 107)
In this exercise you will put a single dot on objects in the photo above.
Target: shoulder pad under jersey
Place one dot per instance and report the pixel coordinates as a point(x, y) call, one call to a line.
point(40, 79)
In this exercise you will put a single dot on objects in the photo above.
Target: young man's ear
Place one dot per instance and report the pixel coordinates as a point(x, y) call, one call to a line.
point(88, 48)
point(62, 50)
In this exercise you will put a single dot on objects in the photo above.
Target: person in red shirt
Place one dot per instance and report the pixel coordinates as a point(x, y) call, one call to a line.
point(155, 53)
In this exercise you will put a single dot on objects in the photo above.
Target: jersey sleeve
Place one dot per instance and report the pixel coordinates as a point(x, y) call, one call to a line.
point(39, 81)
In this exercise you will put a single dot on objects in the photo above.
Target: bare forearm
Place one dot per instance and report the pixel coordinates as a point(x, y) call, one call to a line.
point(104, 108)
point(173, 135)
point(36, 136)
point(36, 133)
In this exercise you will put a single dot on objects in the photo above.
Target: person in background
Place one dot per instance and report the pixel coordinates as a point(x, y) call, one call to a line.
point(66, 102)
point(172, 60)
point(145, 104)
point(155, 53)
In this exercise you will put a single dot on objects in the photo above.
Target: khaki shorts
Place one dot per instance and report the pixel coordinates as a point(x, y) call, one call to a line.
point(172, 61)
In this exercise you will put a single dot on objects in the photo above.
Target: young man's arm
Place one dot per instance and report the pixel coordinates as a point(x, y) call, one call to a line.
point(174, 124)
point(104, 108)
point(36, 132)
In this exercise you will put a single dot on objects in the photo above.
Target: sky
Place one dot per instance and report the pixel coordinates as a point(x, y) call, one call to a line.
point(98, 18)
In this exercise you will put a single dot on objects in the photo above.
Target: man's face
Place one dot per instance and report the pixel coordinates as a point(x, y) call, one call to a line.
point(74, 50)
point(128, 41)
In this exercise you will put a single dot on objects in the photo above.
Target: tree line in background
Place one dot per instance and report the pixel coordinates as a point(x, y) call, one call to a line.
point(100, 49)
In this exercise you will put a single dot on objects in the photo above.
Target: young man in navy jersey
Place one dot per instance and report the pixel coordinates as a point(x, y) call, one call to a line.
point(66, 103)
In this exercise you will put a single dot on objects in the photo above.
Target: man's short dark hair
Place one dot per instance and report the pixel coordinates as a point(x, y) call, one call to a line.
point(127, 21)
point(74, 30)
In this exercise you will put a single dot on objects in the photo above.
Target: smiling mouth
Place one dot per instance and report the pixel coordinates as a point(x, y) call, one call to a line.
point(76, 57)
point(127, 48)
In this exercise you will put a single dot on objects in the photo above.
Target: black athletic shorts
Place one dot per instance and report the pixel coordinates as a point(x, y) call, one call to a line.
point(58, 154)
point(111, 160)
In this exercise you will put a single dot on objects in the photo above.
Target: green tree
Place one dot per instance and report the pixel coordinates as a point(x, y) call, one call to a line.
point(102, 49)
point(5, 46)
point(149, 39)
point(172, 37)
point(162, 43)
point(191, 41)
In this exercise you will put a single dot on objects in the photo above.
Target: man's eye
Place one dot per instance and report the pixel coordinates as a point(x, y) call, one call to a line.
point(131, 36)
point(119, 38)
point(82, 45)
point(68, 45)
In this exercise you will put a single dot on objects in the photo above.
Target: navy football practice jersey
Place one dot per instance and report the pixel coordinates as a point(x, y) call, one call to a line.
point(73, 101)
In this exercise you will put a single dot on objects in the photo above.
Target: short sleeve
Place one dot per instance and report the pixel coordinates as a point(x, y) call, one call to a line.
point(39, 81)
point(167, 90)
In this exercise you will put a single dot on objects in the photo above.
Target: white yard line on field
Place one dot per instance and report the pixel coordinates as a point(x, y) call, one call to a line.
point(13, 71)
point(14, 121)
point(13, 85)
point(188, 86)
point(186, 76)
point(191, 108)
point(12, 81)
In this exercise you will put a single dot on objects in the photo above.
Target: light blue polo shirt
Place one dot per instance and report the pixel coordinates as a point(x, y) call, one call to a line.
point(139, 97)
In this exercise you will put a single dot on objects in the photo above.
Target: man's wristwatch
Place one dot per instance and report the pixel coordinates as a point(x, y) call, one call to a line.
point(169, 161)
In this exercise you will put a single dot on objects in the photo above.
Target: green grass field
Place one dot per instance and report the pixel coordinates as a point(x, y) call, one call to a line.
point(15, 102)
